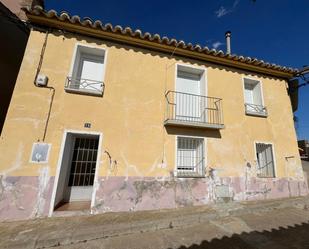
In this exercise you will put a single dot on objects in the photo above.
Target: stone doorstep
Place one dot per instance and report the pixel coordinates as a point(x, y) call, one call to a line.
point(153, 220)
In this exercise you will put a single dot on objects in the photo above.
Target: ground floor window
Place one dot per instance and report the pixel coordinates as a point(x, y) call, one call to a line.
point(265, 160)
point(190, 157)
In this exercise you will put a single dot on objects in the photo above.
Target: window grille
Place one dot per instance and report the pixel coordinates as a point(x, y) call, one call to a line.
point(190, 157)
point(265, 160)
point(84, 162)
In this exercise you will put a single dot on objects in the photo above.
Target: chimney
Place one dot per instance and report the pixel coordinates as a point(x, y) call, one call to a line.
point(228, 41)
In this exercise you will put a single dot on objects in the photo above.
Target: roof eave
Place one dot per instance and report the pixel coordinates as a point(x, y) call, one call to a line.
point(135, 41)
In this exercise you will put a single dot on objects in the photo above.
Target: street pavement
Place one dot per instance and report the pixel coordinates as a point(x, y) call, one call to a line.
point(264, 224)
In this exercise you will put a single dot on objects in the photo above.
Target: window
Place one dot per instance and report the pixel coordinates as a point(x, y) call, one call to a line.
point(88, 71)
point(253, 98)
point(190, 157)
point(265, 160)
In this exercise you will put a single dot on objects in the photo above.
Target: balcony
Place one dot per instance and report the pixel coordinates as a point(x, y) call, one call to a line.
point(256, 110)
point(84, 86)
point(184, 109)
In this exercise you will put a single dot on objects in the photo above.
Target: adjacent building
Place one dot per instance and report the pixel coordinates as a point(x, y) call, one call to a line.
point(105, 118)
point(303, 146)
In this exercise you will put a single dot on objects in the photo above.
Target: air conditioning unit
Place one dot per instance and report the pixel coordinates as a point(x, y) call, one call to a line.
point(41, 80)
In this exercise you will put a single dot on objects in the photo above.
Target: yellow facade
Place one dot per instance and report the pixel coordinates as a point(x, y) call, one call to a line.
point(131, 113)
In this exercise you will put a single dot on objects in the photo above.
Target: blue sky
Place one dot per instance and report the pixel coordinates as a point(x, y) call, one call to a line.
point(275, 31)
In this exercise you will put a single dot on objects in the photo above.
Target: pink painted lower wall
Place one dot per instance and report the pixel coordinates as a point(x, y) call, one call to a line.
point(133, 193)
point(26, 197)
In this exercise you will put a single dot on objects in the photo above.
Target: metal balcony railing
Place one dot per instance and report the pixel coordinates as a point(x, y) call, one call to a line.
point(184, 109)
point(86, 86)
point(256, 110)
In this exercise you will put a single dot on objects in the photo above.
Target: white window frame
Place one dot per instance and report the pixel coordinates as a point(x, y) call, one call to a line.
point(200, 174)
point(77, 48)
point(261, 113)
point(257, 161)
point(59, 163)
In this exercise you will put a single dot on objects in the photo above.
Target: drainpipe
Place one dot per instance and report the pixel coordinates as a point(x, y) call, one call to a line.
point(228, 35)
point(48, 87)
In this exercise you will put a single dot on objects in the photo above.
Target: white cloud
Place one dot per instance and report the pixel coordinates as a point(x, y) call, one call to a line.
point(217, 44)
point(222, 11)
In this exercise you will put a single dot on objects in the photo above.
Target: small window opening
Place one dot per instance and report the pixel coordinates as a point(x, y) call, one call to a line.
point(265, 160)
point(253, 98)
point(190, 157)
point(88, 71)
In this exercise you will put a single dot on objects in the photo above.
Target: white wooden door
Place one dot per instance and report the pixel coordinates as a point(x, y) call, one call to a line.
point(188, 100)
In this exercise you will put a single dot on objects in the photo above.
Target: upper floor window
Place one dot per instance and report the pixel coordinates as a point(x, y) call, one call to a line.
point(265, 160)
point(190, 157)
point(253, 98)
point(88, 71)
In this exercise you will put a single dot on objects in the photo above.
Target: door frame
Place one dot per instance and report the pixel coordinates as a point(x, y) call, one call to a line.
point(60, 158)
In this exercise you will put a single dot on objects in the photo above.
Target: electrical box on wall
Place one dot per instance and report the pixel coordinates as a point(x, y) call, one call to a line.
point(40, 153)
point(41, 80)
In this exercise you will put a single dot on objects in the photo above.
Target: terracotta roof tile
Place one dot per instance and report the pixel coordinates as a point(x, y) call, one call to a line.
point(88, 22)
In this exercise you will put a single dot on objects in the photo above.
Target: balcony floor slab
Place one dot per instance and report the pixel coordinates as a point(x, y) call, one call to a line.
point(173, 122)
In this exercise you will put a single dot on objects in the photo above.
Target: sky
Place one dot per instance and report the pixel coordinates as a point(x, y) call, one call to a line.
point(274, 31)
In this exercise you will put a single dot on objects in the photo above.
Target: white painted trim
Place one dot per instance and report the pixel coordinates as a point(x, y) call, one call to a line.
point(53, 197)
point(60, 157)
point(274, 155)
point(205, 153)
point(96, 174)
point(47, 156)
point(243, 88)
point(88, 46)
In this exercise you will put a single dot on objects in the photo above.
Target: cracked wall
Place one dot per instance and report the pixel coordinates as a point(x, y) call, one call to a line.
point(120, 194)
point(25, 197)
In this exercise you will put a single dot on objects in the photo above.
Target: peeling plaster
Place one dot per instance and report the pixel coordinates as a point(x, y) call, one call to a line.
point(25, 197)
point(130, 166)
point(17, 162)
point(43, 183)
point(135, 193)
point(36, 122)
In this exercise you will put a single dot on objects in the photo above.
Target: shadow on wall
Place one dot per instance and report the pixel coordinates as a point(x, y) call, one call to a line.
point(295, 236)
point(193, 132)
